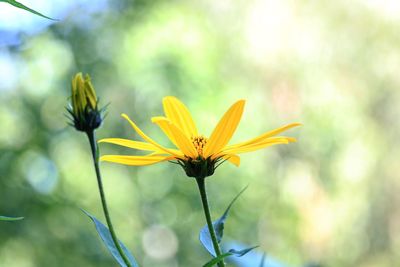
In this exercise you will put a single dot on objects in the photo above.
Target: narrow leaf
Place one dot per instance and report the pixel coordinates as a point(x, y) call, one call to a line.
point(252, 258)
point(238, 253)
point(205, 237)
point(6, 218)
point(105, 235)
point(218, 259)
point(22, 6)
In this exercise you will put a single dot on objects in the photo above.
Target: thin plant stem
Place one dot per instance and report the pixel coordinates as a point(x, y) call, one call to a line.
point(95, 154)
point(206, 208)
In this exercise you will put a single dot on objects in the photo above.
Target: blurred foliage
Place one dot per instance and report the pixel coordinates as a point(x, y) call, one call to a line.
point(331, 198)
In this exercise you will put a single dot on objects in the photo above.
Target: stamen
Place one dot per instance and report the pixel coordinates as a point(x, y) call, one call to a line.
point(199, 142)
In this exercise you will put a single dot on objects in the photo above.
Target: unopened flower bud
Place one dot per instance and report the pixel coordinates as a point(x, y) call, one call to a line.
point(86, 116)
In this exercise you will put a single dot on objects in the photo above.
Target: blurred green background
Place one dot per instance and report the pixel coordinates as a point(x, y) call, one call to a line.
point(332, 198)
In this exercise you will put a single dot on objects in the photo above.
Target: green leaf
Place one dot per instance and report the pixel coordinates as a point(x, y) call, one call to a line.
point(205, 237)
point(253, 258)
point(105, 235)
point(238, 253)
point(216, 260)
point(5, 218)
point(22, 6)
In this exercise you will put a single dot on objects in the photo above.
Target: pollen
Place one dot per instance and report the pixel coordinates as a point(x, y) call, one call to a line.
point(199, 142)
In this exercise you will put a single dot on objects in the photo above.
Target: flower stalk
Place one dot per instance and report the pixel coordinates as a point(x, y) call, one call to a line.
point(203, 194)
point(95, 154)
point(86, 117)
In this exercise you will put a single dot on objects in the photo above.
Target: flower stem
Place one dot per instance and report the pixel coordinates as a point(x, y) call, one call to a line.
point(203, 193)
point(95, 154)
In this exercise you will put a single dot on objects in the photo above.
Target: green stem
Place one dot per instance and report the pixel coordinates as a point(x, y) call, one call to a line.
point(206, 208)
point(95, 154)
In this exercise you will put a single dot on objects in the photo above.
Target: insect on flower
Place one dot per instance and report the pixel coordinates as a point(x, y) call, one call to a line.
point(198, 155)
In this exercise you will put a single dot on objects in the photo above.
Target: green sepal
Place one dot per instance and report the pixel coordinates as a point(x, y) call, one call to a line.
point(6, 218)
point(22, 6)
point(238, 253)
point(105, 236)
point(205, 237)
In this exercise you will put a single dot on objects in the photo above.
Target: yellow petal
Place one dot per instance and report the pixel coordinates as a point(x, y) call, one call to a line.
point(225, 129)
point(234, 159)
point(265, 136)
point(76, 82)
point(178, 114)
point(135, 160)
point(260, 145)
point(182, 141)
point(75, 85)
point(130, 144)
point(90, 92)
point(81, 98)
point(148, 139)
point(166, 131)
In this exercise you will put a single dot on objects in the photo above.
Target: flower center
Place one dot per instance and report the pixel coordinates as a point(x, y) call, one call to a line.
point(199, 142)
point(199, 167)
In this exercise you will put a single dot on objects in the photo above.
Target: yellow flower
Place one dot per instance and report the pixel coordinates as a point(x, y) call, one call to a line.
point(197, 154)
point(84, 110)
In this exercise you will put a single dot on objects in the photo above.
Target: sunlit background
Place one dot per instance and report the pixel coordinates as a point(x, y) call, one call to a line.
point(332, 198)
